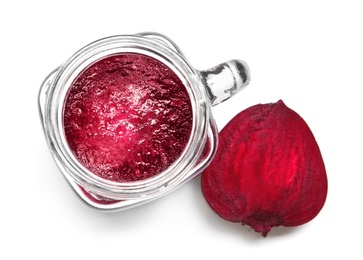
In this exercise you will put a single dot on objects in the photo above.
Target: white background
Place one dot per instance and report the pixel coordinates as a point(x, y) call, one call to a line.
point(307, 53)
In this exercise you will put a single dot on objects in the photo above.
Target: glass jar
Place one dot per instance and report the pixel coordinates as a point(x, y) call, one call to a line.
point(205, 89)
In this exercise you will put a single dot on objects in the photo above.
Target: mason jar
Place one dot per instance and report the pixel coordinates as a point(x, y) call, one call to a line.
point(205, 89)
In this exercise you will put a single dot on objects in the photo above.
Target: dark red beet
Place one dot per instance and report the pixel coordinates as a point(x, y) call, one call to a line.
point(268, 170)
point(127, 117)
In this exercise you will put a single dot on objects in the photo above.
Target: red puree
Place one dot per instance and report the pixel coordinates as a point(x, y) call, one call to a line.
point(127, 117)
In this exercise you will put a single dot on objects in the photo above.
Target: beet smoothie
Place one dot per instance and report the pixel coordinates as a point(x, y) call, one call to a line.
point(127, 117)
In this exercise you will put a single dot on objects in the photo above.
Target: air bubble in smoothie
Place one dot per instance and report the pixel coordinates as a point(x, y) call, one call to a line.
point(127, 117)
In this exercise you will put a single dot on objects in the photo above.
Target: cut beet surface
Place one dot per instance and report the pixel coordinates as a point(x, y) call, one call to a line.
point(127, 117)
point(268, 170)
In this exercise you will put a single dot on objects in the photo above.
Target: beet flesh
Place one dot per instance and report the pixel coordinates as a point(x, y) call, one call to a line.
point(268, 170)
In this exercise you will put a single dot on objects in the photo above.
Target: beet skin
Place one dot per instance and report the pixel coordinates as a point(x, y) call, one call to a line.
point(268, 170)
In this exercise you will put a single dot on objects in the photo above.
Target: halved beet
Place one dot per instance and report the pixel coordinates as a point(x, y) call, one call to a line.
point(268, 170)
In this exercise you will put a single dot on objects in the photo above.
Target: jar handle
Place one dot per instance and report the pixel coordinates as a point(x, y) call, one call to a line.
point(225, 80)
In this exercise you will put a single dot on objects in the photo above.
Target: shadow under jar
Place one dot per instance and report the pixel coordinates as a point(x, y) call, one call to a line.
point(127, 119)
